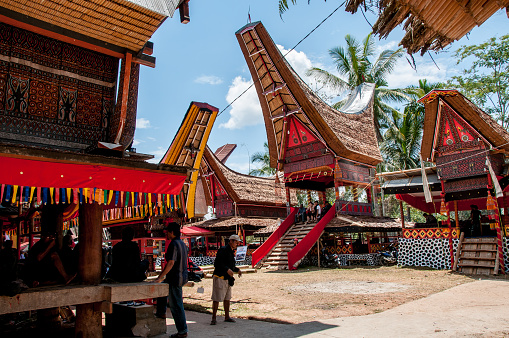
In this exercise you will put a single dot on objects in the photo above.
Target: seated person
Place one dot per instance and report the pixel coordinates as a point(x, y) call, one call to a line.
point(326, 208)
point(8, 268)
point(301, 214)
point(43, 265)
point(310, 212)
point(430, 219)
point(318, 211)
point(68, 255)
point(126, 265)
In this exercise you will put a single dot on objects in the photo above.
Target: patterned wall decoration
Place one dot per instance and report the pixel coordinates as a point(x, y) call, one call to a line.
point(261, 211)
point(53, 93)
point(353, 208)
point(429, 233)
point(433, 253)
point(506, 253)
point(467, 184)
point(352, 172)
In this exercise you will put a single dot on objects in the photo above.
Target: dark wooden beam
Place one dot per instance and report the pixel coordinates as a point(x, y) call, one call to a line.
point(145, 60)
point(148, 48)
point(184, 12)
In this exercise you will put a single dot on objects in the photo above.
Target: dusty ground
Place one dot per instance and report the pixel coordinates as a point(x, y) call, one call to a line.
point(311, 293)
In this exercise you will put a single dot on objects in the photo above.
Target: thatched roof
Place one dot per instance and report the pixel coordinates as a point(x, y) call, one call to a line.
point(122, 23)
point(347, 223)
point(282, 93)
point(482, 122)
point(245, 188)
point(429, 24)
point(229, 222)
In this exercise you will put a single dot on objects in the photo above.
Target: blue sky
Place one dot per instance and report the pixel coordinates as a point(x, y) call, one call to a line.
point(202, 61)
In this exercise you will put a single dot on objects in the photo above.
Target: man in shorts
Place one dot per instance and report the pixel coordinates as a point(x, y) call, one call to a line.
point(222, 280)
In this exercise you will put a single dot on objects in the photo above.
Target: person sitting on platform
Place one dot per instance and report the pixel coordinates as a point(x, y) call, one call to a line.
point(127, 266)
point(301, 214)
point(44, 266)
point(318, 211)
point(326, 208)
point(8, 268)
point(430, 219)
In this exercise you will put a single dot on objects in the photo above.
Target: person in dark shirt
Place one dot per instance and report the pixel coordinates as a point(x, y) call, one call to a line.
point(44, 266)
point(126, 266)
point(222, 280)
point(475, 219)
point(326, 208)
point(301, 214)
point(8, 266)
point(175, 272)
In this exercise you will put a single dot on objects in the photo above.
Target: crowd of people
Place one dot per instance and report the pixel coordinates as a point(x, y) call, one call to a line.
point(313, 213)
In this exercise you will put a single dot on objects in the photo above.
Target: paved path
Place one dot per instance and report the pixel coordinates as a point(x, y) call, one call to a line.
point(477, 309)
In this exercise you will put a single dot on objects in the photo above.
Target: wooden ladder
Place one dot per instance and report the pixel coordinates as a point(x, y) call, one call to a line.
point(277, 259)
point(477, 256)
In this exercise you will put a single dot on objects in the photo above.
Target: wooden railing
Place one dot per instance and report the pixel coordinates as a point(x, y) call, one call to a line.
point(305, 244)
point(273, 239)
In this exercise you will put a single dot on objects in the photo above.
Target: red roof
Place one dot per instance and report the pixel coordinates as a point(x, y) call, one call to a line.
point(192, 231)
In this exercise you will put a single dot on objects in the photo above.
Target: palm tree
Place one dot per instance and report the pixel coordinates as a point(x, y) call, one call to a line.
point(355, 67)
point(416, 92)
point(402, 142)
point(264, 159)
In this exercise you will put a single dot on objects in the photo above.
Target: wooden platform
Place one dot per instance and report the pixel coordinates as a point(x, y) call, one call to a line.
point(105, 294)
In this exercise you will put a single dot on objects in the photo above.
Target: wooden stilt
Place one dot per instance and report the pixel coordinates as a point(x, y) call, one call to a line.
point(318, 250)
point(402, 213)
point(88, 320)
point(456, 214)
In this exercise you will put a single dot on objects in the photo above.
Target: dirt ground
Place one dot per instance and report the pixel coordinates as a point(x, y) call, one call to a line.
point(309, 293)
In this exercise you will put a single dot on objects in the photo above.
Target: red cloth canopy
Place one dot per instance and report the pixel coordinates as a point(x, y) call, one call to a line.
point(62, 174)
point(193, 231)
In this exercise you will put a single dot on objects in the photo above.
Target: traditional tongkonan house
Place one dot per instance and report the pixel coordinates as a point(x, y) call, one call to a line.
point(314, 145)
point(469, 149)
point(67, 126)
point(241, 204)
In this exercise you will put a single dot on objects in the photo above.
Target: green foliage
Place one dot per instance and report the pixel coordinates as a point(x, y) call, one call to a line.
point(486, 82)
point(262, 158)
point(355, 64)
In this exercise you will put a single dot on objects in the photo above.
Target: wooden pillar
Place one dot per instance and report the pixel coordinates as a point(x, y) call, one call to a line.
point(213, 194)
point(244, 235)
point(355, 193)
point(206, 246)
point(309, 196)
point(318, 250)
point(456, 214)
point(336, 188)
point(324, 196)
point(88, 319)
point(402, 213)
point(18, 237)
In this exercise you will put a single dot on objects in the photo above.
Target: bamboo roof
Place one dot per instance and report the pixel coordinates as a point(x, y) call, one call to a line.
point(124, 23)
point(245, 188)
point(224, 152)
point(189, 144)
point(348, 223)
point(429, 24)
point(228, 222)
point(481, 121)
point(283, 93)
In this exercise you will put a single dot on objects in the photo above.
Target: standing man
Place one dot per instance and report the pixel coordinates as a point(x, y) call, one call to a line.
point(222, 280)
point(175, 271)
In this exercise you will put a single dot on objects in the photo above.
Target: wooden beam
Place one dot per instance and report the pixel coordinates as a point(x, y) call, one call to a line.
point(145, 60)
point(184, 12)
point(125, 95)
point(148, 48)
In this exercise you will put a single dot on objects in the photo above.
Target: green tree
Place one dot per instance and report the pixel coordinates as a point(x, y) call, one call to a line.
point(262, 158)
point(486, 82)
point(355, 66)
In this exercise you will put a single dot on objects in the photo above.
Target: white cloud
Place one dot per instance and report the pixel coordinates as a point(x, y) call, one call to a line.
point(151, 138)
point(136, 142)
point(246, 110)
point(209, 79)
point(142, 123)
point(158, 154)
point(403, 75)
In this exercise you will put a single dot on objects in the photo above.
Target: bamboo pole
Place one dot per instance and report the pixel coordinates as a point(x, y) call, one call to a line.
point(402, 213)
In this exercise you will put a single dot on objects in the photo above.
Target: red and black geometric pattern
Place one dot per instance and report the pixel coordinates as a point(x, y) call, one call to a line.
point(430, 233)
point(52, 90)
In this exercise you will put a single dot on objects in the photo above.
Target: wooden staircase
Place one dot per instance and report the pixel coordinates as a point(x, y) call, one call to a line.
point(477, 256)
point(277, 259)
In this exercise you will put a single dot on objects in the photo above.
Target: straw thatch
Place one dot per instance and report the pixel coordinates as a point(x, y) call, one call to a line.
point(232, 222)
point(429, 24)
point(127, 24)
point(245, 188)
point(478, 119)
point(281, 91)
point(348, 223)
